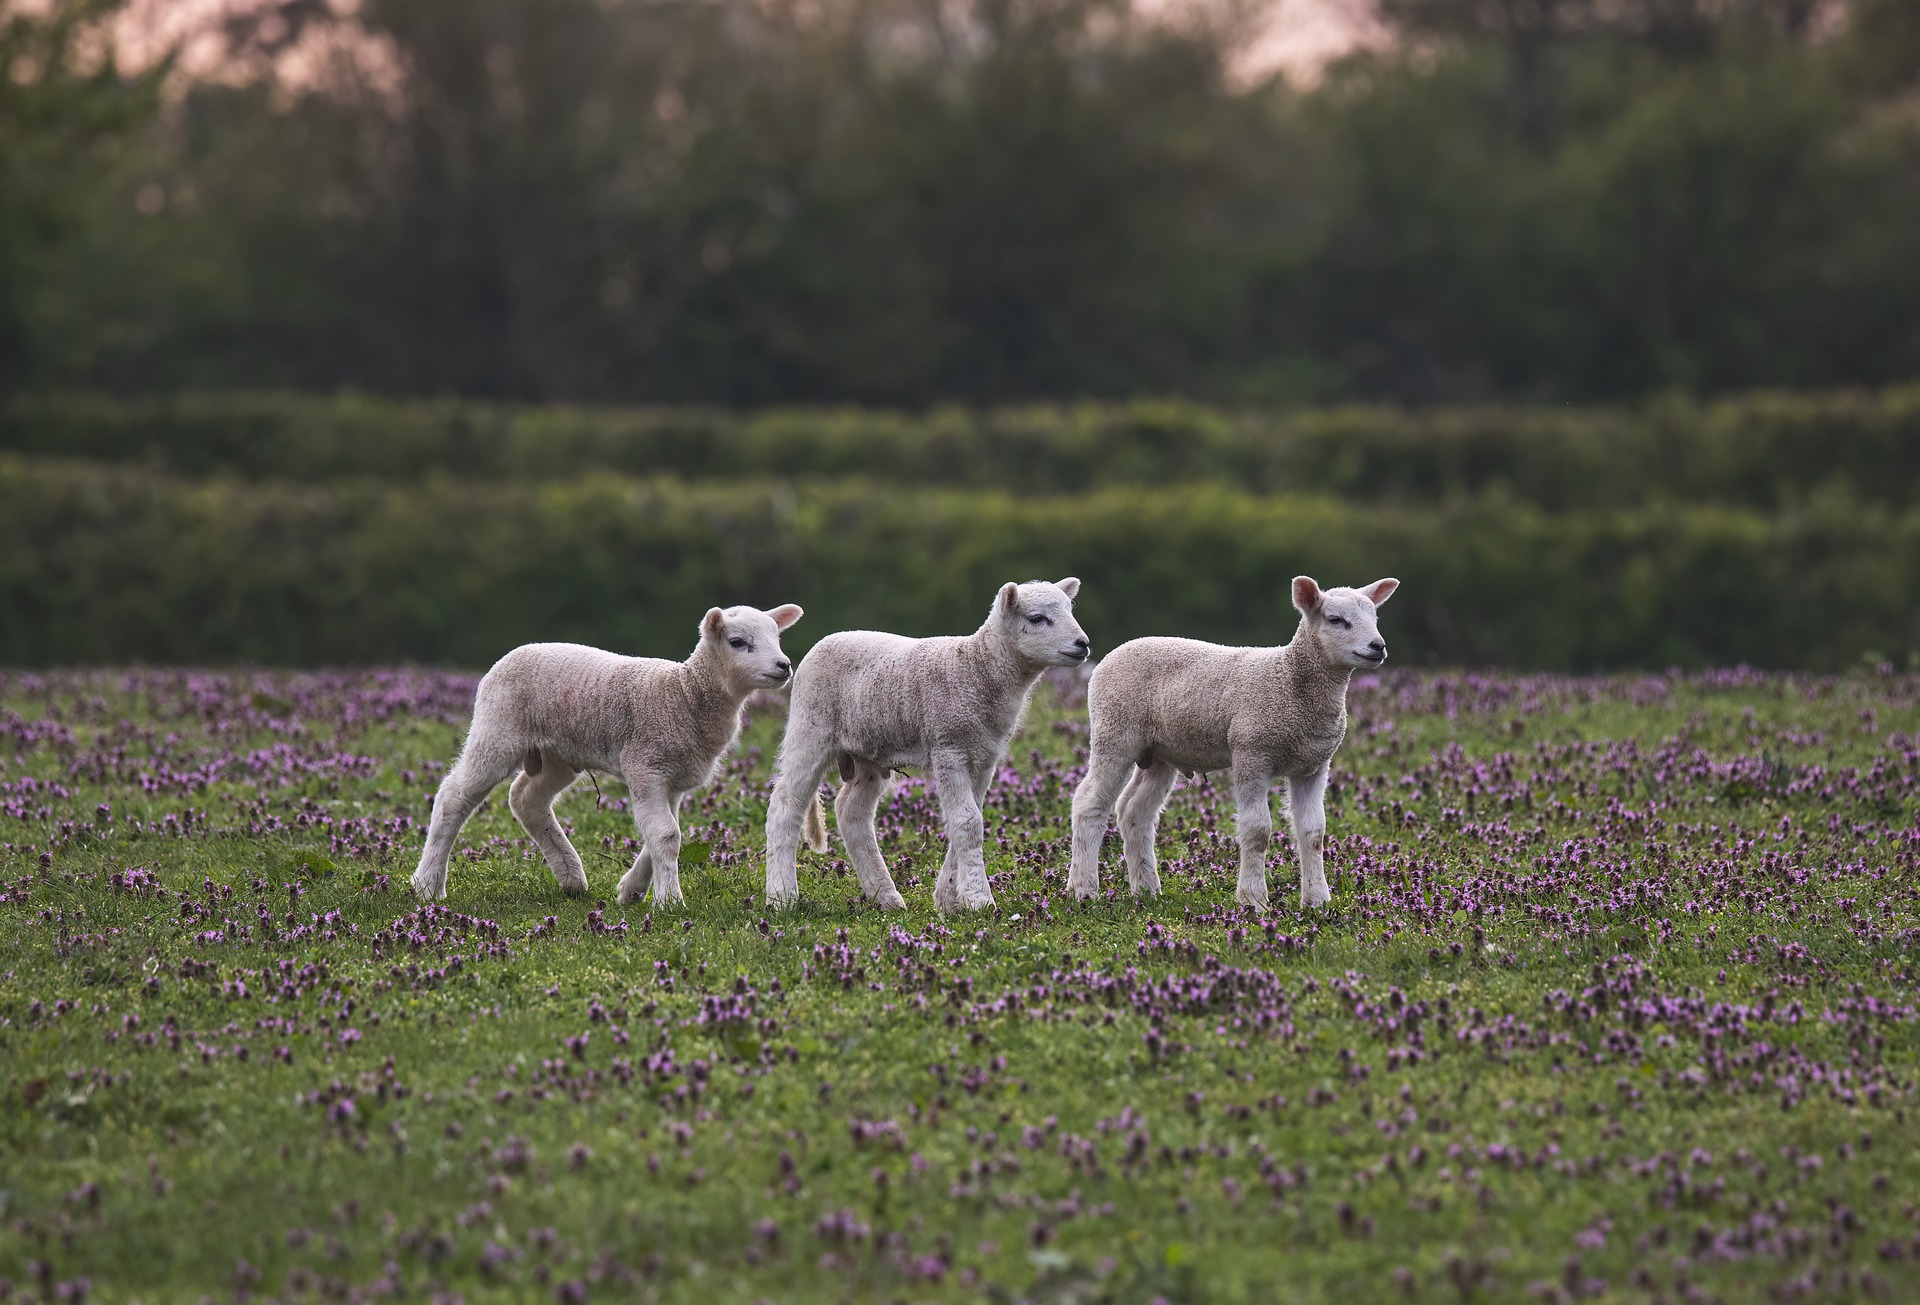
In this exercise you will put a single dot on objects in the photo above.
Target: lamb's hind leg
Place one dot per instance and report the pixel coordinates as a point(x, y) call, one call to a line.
point(1306, 796)
point(853, 811)
point(483, 763)
point(1092, 804)
point(1140, 807)
point(1251, 787)
point(802, 766)
point(946, 884)
point(531, 800)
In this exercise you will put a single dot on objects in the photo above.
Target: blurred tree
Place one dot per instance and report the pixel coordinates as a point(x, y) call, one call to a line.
point(66, 111)
point(1881, 51)
point(1703, 224)
point(901, 202)
point(1536, 35)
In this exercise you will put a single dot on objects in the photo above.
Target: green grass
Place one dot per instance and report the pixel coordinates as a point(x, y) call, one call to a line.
point(1651, 936)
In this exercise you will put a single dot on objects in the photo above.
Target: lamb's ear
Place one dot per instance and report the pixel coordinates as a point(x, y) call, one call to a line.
point(1009, 595)
point(1306, 594)
point(1381, 590)
point(1070, 587)
point(785, 615)
point(712, 623)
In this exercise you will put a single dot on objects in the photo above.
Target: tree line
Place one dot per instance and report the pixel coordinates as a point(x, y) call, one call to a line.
point(881, 201)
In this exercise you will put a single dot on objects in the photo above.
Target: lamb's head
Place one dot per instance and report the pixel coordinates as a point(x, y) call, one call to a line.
point(745, 643)
point(1342, 624)
point(1036, 620)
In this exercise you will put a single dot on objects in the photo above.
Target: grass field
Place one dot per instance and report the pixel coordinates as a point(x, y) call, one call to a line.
point(1615, 1000)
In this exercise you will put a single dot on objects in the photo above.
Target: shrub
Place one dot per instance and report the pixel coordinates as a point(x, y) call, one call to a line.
point(1762, 450)
point(102, 564)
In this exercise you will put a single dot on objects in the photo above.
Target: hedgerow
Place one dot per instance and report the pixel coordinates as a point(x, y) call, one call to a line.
point(1761, 450)
point(104, 563)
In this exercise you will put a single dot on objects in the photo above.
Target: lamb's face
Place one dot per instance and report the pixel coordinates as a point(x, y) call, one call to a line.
point(747, 641)
point(1038, 617)
point(1344, 623)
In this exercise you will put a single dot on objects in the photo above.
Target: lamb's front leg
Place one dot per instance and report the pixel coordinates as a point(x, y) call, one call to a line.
point(1306, 795)
point(656, 817)
point(1251, 785)
point(963, 875)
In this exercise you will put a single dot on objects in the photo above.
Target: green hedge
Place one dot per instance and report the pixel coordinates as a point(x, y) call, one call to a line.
point(102, 564)
point(1763, 450)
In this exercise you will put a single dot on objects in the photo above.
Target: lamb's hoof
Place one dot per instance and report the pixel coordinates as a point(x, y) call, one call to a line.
point(669, 901)
point(428, 890)
point(1314, 901)
point(1258, 901)
point(1147, 887)
point(627, 894)
point(782, 901)
point(1083, 890)
point(574, 887)
point(891, 901)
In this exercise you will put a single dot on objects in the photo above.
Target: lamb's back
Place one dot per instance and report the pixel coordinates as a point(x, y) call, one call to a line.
point(583, 703)
point(1176, 698)
point(890, 698)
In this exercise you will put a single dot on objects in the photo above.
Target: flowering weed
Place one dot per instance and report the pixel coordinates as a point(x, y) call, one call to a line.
point(1615, 1000)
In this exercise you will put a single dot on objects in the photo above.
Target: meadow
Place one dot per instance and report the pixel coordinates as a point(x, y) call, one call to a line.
point(1615, 1000)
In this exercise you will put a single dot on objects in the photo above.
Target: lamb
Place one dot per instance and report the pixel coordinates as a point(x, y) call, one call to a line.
point(1158, 707)
point(873, 703)
point(552, 710)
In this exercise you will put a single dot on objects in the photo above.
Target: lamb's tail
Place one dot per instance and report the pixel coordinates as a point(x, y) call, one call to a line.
point(817, 824)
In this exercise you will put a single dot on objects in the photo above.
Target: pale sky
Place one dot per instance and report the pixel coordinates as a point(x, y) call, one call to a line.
point(1300, 37)
point(1303, 36)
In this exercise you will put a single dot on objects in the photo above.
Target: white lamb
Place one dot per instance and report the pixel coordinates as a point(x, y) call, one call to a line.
point(1160, 707)
point(552, 710)
point(872, 703)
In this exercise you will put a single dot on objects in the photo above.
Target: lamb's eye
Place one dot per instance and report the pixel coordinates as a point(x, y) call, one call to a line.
point(1340, 621)
point(736, 642)
point(1037, 618)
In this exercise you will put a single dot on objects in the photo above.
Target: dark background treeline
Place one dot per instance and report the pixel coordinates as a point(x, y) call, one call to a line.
point(895, 202)
point(1597, 322)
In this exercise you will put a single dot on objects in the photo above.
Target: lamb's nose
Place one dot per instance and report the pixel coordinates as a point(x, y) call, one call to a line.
point(1378, 645)
point(1082, 644)
point(783, 666)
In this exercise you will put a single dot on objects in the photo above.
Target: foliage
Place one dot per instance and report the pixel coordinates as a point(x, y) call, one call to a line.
point(886, 202)
point(99, 563)
point(1762, 451)
point(1616, 998)
point(67, 117)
